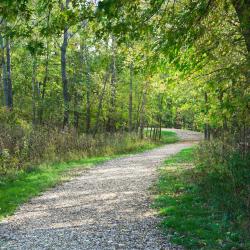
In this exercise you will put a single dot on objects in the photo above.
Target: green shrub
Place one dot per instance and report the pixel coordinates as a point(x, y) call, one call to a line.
point(204, 196)
point(223, 176)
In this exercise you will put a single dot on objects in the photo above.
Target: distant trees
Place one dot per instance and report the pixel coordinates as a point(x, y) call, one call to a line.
point(84, 64)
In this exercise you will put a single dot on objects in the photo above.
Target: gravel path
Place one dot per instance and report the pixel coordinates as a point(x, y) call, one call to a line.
point(186, 135)
point(106, 207)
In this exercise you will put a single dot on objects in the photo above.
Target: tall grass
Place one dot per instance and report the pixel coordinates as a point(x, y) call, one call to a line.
point(22, 148)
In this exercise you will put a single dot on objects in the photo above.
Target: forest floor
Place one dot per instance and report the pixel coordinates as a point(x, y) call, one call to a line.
point(106, 207)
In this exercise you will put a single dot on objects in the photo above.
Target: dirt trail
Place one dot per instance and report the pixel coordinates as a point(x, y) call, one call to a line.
point(106, 207)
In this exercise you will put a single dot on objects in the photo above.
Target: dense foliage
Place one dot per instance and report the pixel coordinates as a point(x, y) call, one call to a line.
point(112, 65)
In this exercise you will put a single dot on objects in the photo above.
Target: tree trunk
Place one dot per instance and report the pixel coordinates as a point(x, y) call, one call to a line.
point(142, 114)
point(8, 67)
point(150, 134)
point(130, 99)
point(154, 133)
point(64, 72)
point(88, 89)
point(1, 85)
point(160, 127)
point(111, 120)
point(160, 115)
point(76, 98)
point(44, 85)
point(101, 100)
point(4, 71)
point(206, 125)
point(243, 11)
point(76, 112)
point(138, 113)
point(34, 91)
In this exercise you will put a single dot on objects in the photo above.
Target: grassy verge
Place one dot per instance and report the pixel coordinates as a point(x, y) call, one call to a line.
point(189, 219)
point(18, 187)
point(169, 137)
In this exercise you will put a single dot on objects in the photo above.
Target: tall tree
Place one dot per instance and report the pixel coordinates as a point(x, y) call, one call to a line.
point(4, 71)
point(88, 87)
point(111, 120)
point(100, 99)
point(6, 67)
point(130, 125)
point(242, 8)
point(9, 97)
point(64, 47)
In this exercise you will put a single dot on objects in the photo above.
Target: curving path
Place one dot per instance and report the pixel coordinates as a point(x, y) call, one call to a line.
point(106, 207)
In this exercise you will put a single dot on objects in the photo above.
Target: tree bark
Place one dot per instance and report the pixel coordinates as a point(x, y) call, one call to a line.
point(112, 109)
point(101, 100)
point(138, 112)
point(142, 114)
point(243, 11)
point(160, 114)
point(34, 91)
point(154, 133)
point(130, 126)
point(64, 71)
point(160, 124)
point(76, 112)
point(44, 85)
point(1, 86)
point(88, 89)
point(150, 134)
point(4, 71)
point(8, 67)
point(76, 98)
point(206, 125)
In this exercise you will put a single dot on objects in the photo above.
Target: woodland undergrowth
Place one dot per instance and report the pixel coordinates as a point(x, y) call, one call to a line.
point(24, 147)
point(204, 196)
